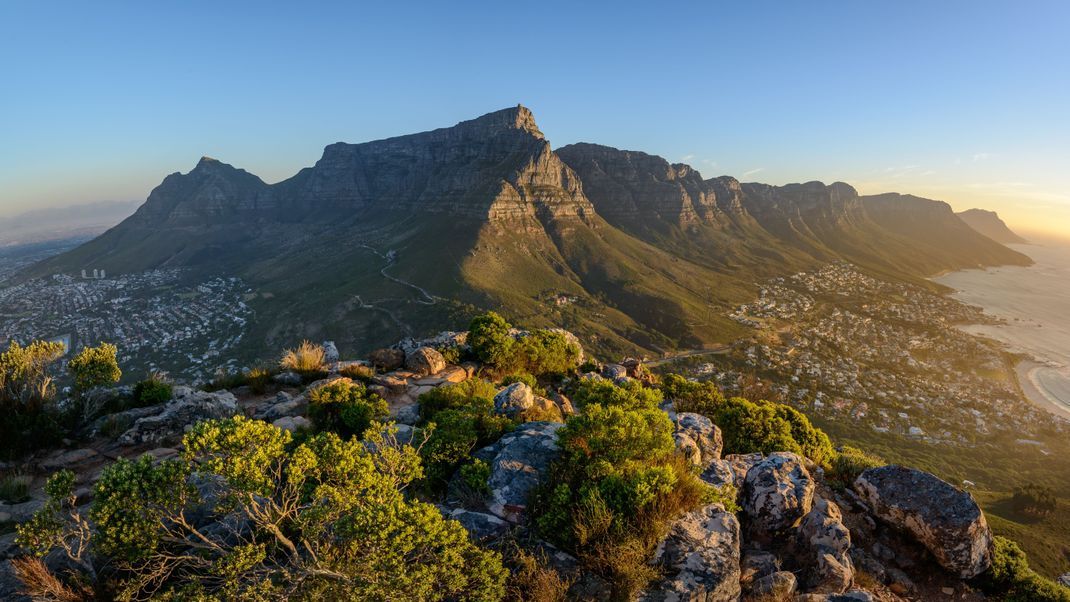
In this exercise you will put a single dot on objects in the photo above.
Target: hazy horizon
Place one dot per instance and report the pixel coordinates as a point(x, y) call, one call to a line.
point(961, 102)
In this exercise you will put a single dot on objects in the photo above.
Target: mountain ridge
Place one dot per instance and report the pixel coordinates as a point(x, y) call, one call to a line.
point(990, 224)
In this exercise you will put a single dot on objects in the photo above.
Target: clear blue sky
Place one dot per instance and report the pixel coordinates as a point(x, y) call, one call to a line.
point(968, 101)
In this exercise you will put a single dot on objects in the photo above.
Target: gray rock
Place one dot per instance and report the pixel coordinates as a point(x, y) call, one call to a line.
point(777, 492)
point(718, 473)
point(757, 564)
point(387, 359)
point(330, 352)
point(520, 462)
point(825, 543)
point(406, 414)
point(1063, 580)
point(288, 406)
point(68, 459)
point(945, 520)
point(178, 415)
point(425, 361)
point(614, 371)
point(289, 379)
point(741, 465)
point(776, 586)
point(699, 438)
point(481, 527)
point(21, 512)
point(514, 399)
point(292, 423)
point(699, 558)
point(11, 587)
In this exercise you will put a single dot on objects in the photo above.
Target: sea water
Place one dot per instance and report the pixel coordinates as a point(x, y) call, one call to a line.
point(1035, 303)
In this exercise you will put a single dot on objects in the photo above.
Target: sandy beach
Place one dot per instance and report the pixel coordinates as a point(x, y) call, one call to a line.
point(1027, 372)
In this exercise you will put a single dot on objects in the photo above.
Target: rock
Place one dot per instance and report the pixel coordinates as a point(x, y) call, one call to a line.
point(178, 415)
point(514, 399)
point(634, 367)
point(757, 564)
point(11, 587)
point(330, 352)
point(425, 361)
point(855, 595)
point(899, 582)
point(521, 460)
point(777, 586)
point(1064, 580)
point(292, 423)
point(441, 340)
point(453, 374)
point(21, 512)
point(387, 359)
point(481, 527)
point(573, 339)
point(563, 403)
point(777, 492)
point(719, 473)
point(741, 465)
point(289, 406)
point(67, 459)
point(698, 433)
point(614, 371)
point(406, 414)
point(699, 559)
point(825, 543)
point(289, 379)
point(945, 520)
point(391, 382)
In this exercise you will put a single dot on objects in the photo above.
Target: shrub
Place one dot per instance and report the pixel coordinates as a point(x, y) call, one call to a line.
point(454, 434)
point(1011, 578)
point(548, 352)
point(95, 367)
point(306, 358)
point(691, 396)
point(324, 519)
point(769, 427)
point(848, 463)
point(533, 578)
point(27, 398)
point(522, 377)
point(539, 352)
point(1034, 500)
point(630, 395)
point(151, 391)
point(14, 488)
point(345, 407)
point(475, 475)
point(358, 372)
point(489, 337)
point(474, 392)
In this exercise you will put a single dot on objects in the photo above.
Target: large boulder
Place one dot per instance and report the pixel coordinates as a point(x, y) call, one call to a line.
point(425, 360)
point(186, 408)
point(776, 492)
point(824, 543)
point(520, 461)
point(944, 519)
point(699, 559)
point(699, 438)
point(741, 465)
point(514, 400)
point(330, 352)
point(387, 359)
point(719, 473)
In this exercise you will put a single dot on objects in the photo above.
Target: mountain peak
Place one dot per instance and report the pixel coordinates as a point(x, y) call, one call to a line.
point(989, 224)
point(515, 118)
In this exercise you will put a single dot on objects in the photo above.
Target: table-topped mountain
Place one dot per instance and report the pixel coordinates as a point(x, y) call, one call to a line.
point(989, 224)
point(411, 232)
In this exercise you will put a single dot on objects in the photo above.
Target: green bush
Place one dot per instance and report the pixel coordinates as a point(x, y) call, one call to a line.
point(630, 395)
point(475, 475)
point(152, 391)
point(455, 434)
point(489, 338)
point(848, 463)
point(1011, 578)
point(539, 352)
point(768, 427)
point(345, 407)
point(474, 392)
point(324, 519)
point(691, 396)
point(1034, 500)
point(27, 399)
point(547, 352)
point(95, 367)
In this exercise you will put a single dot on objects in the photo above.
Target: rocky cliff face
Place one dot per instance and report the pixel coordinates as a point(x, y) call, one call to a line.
point(989, 224)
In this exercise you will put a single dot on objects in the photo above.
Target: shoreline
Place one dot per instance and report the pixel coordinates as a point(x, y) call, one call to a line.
point(1025, 371)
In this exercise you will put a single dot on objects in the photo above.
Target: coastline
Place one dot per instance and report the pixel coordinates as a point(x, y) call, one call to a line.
point(1026, 373)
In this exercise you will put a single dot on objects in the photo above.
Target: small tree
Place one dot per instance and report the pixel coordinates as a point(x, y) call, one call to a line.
point(95, 367)
point(345, 407)
point(489, 337)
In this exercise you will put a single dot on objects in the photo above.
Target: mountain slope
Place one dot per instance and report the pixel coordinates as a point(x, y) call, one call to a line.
point(415, 232)
point(989, 224)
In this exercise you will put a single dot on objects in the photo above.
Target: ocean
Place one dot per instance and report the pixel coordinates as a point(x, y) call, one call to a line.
point(1035, 302)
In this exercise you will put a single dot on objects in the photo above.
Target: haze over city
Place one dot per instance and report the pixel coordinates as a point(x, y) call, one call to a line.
point(965, 102)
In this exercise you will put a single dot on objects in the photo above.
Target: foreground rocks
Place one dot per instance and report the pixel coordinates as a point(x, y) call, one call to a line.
point(186, 408)
point(777, 492)
point(824, 543)
point(519, 461)
point(945, 520)
point(699, 558)
point(698, 438)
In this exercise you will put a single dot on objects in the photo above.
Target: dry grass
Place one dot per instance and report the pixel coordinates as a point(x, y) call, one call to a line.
point(358, 372)
point(15, 488)
point(307, 357)
point(534, 579)
point(42, 586)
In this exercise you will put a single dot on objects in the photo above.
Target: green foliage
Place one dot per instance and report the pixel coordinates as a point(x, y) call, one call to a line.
point(1034, 500)
point(522, 377)
point(14, 488)
point(151, 391)
point(454, 434)
point(538, 352)
point(345, 407)
point(547, 352)
point(474, 392)
point(692, 396)
point(95, 367)
point(630, 395)
point(616, 434)
point(1011, 578)
point(848, 463)
point(767, 427)
point(323, 519)
point(488, 336)
point(475, 475)
point(27, 398)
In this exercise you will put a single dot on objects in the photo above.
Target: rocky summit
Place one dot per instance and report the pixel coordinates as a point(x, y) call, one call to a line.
point(403, 234)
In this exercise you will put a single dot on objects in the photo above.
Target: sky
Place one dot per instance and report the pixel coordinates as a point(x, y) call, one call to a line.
point(963, 101)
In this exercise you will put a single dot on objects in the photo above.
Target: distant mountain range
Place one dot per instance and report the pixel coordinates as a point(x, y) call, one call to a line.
point(55, 223)
point(989, 224)
point(415, 232)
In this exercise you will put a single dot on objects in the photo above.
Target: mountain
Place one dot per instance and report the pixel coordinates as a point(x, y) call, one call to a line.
point(42, 225)
point(414, 233)
point(989, 224)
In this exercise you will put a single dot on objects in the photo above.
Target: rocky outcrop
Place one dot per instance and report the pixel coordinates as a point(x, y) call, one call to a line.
point(514, 400)
point(823, 544)
point(698, 438)
point(186, 408)
point(699, 559)
point(425, 361)
point(945, 520)
point(777, 492)
point(518, 463)
point(741, 465)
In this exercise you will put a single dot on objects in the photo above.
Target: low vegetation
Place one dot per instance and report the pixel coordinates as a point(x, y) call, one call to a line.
point(537, 352)
point(32, 419)
point(1012, 580)
point(151, 391)
point(305, 359)
point(345, 407)
point(1036, 501)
